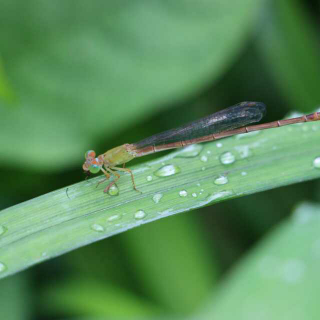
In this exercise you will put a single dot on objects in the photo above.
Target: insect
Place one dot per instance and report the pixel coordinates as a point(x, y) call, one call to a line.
point(224, 123)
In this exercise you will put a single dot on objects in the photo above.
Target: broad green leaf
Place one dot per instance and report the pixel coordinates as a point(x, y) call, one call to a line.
point(16, 298)
point(290, 47)
point(84, 70)
point(182, 260)
point(190, 178)
point(6, 92)
point(280, 277)
point(96, 298)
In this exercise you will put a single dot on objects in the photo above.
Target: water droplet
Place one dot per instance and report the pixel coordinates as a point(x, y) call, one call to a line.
point(44, 254)
point(183, 193)
point(316, 162)
point(314, 128)
point(227, 158)
point(198, 184)
point(3, 267)
point(114, 218)
point(201, 190)
point(203, 168)
point(140, 214)
point(219, 145)
point(247, 135)
point(190, 151)
point(113, 190)
point(97, 227)
point(243, 173)
point(3, 230)
point(218, 195)
point(167, 170)
point(208, 152)
point(244, 151)
point(221, 180)
point(149, 178)
point(166, 212)
point(194, 195)
point(157, 197)
point(204, 158)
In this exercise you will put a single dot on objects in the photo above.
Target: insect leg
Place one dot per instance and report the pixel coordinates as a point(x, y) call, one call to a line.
point(105, 179)
point(112, 182)
point(132, 178)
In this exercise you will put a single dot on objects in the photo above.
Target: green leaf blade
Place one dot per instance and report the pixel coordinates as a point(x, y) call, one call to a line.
point(63, 220)
point(279, 278)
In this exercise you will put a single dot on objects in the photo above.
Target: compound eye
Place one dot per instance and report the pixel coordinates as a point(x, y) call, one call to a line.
point(90, 154)
point(94, 168)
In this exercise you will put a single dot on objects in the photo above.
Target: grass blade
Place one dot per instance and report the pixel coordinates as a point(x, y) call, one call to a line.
point(190, 178)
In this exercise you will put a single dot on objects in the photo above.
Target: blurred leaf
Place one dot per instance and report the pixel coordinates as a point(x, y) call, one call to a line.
point(15, 298)
point(289, 44)
point(164, 317)
point(280, 278)
point(6, 93)
point(84, 70)
point(66, 219)
point(113, 271)
point(171, 255)
point(93, 298)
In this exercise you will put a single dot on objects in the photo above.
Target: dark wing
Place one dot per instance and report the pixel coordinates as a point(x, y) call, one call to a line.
point(239, 115)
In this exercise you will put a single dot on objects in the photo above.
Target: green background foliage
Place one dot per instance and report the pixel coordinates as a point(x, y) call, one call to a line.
point(79, 75)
